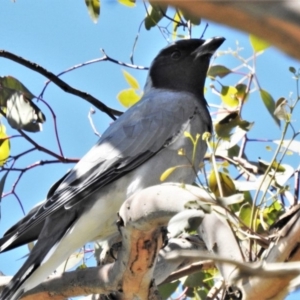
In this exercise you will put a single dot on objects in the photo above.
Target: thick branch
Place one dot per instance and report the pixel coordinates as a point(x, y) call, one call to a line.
point(142, 217)
point(266, 279)
point(94, 280)
point(60, 83)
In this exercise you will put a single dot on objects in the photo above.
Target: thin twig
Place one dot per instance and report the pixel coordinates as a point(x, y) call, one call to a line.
point(193, 268)
point(40, 148)
point(296, 187)
point(91, 112)
point(55, 126)
point(135, 42)
point(118, 62)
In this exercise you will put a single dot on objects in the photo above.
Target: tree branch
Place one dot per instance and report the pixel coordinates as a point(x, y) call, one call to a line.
point(142, 218)
point(60, 83)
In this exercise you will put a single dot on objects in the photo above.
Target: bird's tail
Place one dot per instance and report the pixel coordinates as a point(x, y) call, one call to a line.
point(39, 263)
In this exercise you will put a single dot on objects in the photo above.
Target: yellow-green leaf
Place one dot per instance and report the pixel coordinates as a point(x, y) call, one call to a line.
point(128, 97)
point(273, 212)
point(129, 3)
point(226, 182)
point(168, 172)
point(176, 19)
point(131, 80)
point(81, 266)
point(257, 43)
point(228, 96)
point(269, 103)
point(93, 7)
point(4, 145)
point(245, 214)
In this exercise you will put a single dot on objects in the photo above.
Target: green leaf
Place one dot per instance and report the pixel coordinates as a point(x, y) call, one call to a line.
point(292, 70)
point(128, 97)
point(128, 3)
point(200, 294)
point(10, 85)
point(228, 96)
point(4, 145)
point(93, 7)
point(155, 13)
point(257, 43)
point(275, 165)
point(241, 92)
point(166, 290)
point(194, 280)
point(224, 126)
point(269, 103)
point(234, 151)
point(131, 80)
point(218, 71)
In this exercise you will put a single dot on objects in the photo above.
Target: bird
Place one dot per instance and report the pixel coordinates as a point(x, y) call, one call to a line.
point(132, 154)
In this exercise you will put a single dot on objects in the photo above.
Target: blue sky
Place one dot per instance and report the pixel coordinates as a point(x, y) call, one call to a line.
point(60, 34)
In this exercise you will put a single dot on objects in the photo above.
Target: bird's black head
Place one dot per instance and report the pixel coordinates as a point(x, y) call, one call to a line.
point(182, 66)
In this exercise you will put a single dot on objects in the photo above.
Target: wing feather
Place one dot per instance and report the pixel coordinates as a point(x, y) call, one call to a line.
point(136, 136)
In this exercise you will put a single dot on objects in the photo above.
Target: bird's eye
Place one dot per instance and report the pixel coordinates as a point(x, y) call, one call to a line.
point(176, 54)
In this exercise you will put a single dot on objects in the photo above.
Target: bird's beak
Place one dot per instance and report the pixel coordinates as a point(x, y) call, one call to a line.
point(209, 46)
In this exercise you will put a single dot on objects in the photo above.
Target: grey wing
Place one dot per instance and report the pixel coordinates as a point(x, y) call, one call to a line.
point(136, 136)
point(33, 233)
